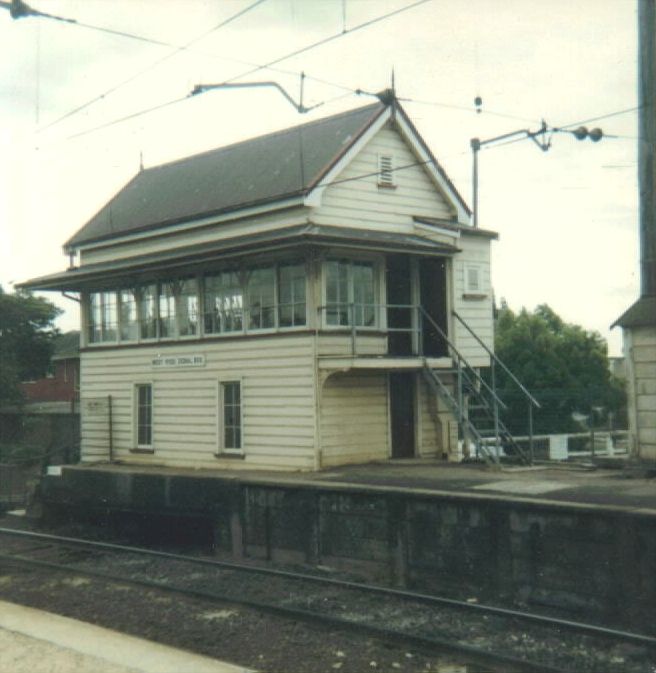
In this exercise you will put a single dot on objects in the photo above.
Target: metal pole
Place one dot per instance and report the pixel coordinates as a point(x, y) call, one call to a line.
point(476, 146)
point(530, 432)
point(352, 311)
point(495, 408)
point(111, 433)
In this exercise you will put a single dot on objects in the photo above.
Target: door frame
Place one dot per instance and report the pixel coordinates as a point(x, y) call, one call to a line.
point(415, 407)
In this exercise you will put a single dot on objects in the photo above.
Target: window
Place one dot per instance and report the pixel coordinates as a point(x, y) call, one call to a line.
point(224, 303)
point(129, 323)
point(291, 295)
point(144, 415)
point(386, 171)
point(148, 311)
point(102, 317)
point(230, 416)
point(261, 298)
point(473, 279)
point(186, 306)
point(350, 293)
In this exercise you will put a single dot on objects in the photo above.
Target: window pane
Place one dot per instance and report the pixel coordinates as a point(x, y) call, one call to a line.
point(186, 306)
point(231, 414)
point(144, 415)
point(95, 317)
point(128, 315)
point(261, 298)
point(167, 309)
point(291, 295)
point(148, 311)
point(337, 301)
point(223, 303)
point(109, 316)
point(363, 293)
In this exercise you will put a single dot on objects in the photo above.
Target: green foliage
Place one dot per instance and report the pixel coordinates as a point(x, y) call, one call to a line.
point(564, 366)
point(26, 341)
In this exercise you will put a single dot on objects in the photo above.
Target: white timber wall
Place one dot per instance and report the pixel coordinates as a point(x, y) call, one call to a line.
point(475, 308)
point(436, 425)
point(640, 354)
point(362, 203)
point(278, 403)
point(354, 418)
point(177, 236)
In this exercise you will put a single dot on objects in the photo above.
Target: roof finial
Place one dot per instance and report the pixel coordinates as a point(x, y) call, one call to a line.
point(393, 87)
point(141, 166)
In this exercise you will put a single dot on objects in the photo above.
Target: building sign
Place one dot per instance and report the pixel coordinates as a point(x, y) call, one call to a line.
point(178, 361)
point(96, 406)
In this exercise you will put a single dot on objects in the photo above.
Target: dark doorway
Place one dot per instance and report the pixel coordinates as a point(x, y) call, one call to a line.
point(432, 293)
point(402, 410)
point(399, 293)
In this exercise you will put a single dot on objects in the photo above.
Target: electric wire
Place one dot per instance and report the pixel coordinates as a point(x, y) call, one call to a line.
point(153, 65)
point(255, 69)
point(325, 40)
point(467, 109)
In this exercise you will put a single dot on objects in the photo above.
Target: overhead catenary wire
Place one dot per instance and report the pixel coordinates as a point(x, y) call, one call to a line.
point(257, 68)
point(330, 38)
point(153, 65)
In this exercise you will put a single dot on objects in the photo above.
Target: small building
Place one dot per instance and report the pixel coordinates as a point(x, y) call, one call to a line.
point(58, 389)
point(300, 300)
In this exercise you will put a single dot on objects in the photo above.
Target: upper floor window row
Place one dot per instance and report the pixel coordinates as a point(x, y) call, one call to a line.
point(242, 300)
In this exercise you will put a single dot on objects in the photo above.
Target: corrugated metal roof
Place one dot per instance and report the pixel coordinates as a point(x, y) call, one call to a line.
point(260, 170)
point(197, 257)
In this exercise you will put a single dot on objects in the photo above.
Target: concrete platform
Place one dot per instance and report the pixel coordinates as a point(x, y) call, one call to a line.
point(33, 641)
point(566, 486)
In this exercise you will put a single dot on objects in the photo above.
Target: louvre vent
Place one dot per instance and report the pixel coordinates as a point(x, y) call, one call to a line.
point(386, 170)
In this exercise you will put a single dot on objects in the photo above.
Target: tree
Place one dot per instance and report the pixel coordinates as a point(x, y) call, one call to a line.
point(26, 341)
point(564, 366)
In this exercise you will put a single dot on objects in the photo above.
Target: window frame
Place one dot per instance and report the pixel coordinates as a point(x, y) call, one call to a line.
point(222, 449)
point(376, 264)
point(136, 407)
point(468, 288)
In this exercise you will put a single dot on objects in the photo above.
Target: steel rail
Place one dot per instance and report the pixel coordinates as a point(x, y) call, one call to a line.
point(386, 635)
point(544, 620)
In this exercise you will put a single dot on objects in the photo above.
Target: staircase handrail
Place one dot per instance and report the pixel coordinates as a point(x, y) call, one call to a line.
point(459, 356)
point(498, 361)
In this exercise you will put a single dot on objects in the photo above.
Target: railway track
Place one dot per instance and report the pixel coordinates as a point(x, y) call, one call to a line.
point(502, 638)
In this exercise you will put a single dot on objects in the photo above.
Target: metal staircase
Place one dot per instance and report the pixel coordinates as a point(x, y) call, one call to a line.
point(475, 403)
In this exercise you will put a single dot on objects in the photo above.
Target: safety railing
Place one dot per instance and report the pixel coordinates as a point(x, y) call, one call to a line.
point(495, 362)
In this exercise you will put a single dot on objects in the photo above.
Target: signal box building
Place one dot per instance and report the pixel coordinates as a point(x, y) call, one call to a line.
point(281, 303)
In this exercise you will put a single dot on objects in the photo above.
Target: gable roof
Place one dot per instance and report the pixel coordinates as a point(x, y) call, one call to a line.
point(256, 171)
point(275, 167)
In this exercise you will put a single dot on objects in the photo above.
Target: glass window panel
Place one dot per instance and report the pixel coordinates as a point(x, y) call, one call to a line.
point(144, 415)
point(363, 293)
point(109, 316)
point(167, 309)
point(95, 317)
point(261, 298)
point(224, 305)
point(147, 306)
point(337, 300)
point(231, 414)
point(129, 324)
point(291, 295)
point(186, 306)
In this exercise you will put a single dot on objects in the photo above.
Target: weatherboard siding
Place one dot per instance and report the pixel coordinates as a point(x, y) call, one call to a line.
point(640, 354)
point(278, 401)
point(354, 420)
point(356, 201)
point(175, 237)
point(477, 311)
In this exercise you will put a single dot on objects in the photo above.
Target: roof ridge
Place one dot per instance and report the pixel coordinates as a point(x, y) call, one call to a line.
point(271, 134)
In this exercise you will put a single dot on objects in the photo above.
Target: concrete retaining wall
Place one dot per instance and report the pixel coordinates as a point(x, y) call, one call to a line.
point(587, 561)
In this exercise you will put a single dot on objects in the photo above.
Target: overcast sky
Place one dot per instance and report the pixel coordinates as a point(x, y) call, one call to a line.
point(567, 218)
